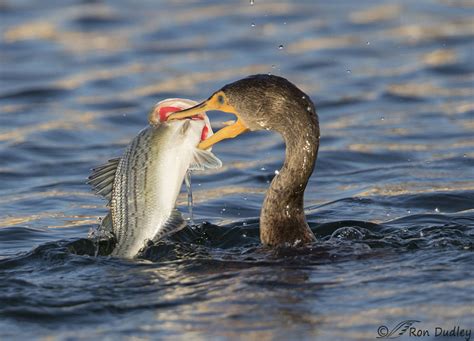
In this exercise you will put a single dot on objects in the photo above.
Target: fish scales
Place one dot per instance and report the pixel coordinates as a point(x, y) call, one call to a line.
point(129, 199)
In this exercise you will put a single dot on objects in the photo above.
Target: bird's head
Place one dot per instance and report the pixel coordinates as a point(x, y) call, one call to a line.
point(259, 102)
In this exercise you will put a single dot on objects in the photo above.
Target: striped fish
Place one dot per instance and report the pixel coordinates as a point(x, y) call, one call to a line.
point(142, 186)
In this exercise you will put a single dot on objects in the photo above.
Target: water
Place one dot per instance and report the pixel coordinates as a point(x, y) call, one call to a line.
point(189, 191)
point(391, 200)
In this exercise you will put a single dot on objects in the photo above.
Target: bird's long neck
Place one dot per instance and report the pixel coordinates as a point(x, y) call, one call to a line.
point(282, 218)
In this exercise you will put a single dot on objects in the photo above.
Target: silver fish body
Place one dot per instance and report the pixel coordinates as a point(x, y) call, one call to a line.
point(147, 181)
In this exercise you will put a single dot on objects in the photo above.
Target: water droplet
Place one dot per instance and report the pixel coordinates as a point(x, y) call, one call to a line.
point(252, 2)
point(382, 118)
point(244, 224)
point(388, 214)
point(408, 211)
point(252, 24)
point(277, 172)
point(437, 210)
point(262, 169)
point(244, 235)
point(280, 47)
point(348, 71)
point(187, 181)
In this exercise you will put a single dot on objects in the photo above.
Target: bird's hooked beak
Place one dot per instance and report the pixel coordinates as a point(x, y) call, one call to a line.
point(219, 102)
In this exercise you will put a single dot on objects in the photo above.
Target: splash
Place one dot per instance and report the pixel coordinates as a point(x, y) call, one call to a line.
point(99, 233)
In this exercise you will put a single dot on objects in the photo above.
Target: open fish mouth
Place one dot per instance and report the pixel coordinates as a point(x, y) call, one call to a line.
point(161, 110)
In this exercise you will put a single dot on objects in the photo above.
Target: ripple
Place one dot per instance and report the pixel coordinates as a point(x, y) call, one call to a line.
point(97, 20)
point(42, 94)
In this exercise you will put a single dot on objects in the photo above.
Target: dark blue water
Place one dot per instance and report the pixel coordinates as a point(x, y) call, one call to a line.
point(391, 200)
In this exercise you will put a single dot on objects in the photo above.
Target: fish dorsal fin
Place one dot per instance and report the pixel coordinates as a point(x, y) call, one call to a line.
point(174, 223)
point(203, 159)
point(102, 178)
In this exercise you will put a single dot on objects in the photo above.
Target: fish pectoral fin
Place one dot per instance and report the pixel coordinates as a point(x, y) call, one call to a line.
point(102, 178)
point(203, 159)
point(174, 223)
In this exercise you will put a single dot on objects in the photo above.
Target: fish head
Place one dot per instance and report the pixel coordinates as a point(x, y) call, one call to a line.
point(161, 110)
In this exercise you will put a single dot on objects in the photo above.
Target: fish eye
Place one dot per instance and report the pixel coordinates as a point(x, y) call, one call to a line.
point(220, 99)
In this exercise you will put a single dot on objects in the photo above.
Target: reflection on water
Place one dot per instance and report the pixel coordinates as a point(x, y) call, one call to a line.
point(391, 200)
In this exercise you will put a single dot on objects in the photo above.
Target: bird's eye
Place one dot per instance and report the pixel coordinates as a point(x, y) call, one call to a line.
point(220, 99)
